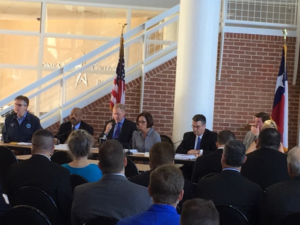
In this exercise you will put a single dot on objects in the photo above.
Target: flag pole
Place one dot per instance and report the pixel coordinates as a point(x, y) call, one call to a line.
point(285, 33)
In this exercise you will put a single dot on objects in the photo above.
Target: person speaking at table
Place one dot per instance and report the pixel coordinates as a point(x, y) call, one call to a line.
point(145, 136)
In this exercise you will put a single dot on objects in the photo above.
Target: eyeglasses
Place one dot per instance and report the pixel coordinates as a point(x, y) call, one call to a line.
point(19, 105)
point(197, 127)
point(141, 122)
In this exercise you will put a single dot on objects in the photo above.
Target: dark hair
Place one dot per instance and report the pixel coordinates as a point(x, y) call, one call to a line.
point(264, 116)
point(201, 118)
point(269, 138)
point(161, 153)
point(111, 157)
point(23, 98)
point(147, 116)
point(80, 143)
point(199, 212)
point(224, 136)
point(42, 140)
point(166, 183)
point(234, 153)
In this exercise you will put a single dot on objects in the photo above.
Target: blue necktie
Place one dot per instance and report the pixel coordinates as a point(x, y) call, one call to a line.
point(118, 131)
point(198, 143)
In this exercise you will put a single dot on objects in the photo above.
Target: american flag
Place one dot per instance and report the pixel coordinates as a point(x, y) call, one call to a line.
point(118, 90)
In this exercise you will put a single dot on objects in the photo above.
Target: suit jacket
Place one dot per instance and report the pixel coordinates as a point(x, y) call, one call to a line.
point(281, 200)
point(66, 128)
point(112, 196)
point(206, 164)
point(266, 167)
point(208, 142)
point(230, 188)
point(128, 128)
point(40, 172)
point(249, 138)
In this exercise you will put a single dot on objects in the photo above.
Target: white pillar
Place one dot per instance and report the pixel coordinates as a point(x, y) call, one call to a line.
point(196, 63)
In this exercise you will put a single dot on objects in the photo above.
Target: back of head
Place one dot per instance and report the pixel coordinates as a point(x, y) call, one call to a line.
point(269, 124)
point(111, 157)
point(201, 118)
point(269, 138)
point(293, 160)
point(166, 183)
point(80, 143)
point(224, 136)
point(42, 141)
point(264, 116)
point(161, 153)
point(234, 153)
point(199, 212)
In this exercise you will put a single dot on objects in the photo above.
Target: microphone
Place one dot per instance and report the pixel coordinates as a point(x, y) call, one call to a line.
point(174, 143)
point(59, 136)
point(129, 147)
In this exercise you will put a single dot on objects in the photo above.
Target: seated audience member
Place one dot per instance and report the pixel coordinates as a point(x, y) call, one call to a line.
point(113, 195)
point(40, 172)
point(199, 212)
point(282, 199)
point(252, 135)
point(75, 123)
point(119, 127)
point(166, 189)
point(145, 136)
point(3, 206)
point(80, 144)
point(211, 163)
point(266, 166)
point(229, 187)
point(162, 153)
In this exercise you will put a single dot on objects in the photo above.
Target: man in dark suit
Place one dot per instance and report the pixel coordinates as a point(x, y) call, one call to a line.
point(75, 123)
point(229, 187)
point(266, 165)
point(119, 127)
point(211, 163)
point(113, 195)
point(282, 199)
point(40, 172)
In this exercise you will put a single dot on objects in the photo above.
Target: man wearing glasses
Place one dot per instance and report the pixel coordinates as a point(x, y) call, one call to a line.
point(20, 126)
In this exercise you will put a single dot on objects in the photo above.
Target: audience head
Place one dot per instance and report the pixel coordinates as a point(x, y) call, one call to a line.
point(118, 112)
point(166, 185)
point(76, 116)
point(260, 118)
point(199, 212)
point(234, 154)
point(21, 105)
point(111, 157)
point(42, 142)
point(269, 124)
point(144, 121)
point(80, 143)
point(161, 153)
point(269, 138)
point(293, 160)
point(198, 124)
point(224, 136)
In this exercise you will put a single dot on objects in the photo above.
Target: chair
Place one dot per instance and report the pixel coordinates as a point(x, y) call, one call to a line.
point(38, 199)
point(25, 215)
point(61, 157)
point(102, 220)
point(7, 158)
point(131, 169)
point(165, 138)
point(77, 180)
point(293, 219)
point(230, 215)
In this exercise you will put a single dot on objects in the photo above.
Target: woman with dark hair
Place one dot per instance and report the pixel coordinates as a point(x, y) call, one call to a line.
point(80, 144)
point(145, 136)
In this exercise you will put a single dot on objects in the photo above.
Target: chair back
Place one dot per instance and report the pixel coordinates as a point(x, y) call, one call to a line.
point(102, 220)
point(38, 199)
point(7, 158)
point(61, 157)
point(230, 215)
point(293, 219)
point(77, 180)
point(165, 138)
point(131, 169)
point(24, 215)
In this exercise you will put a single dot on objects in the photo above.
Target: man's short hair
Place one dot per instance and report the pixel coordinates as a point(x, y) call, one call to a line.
point(80, 143)
point(23, 98)
point(201, 118)
point(111, 157)
point(199, 212)
point(166, 183)
point(120, 106)
point(161, 153)
point(264, 116)
point(269, 138)
point(148, 118)
point(42, 140)
point(234, 153)
point(224, 136)
point(293, 160)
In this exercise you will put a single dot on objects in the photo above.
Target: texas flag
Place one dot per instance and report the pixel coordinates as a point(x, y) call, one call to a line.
point(280, 106)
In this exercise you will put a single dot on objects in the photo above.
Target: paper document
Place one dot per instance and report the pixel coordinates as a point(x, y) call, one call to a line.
point(131, 150)
point(23, 143)
point(184, 156)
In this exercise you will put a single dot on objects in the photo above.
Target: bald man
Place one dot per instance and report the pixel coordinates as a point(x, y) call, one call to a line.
point(74, 123)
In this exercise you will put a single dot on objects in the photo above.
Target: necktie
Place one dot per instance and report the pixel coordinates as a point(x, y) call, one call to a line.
point(118, 131)
point(198, 143)
point(74, 128)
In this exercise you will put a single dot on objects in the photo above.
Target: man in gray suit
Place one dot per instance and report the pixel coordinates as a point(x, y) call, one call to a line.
point(113, 195)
